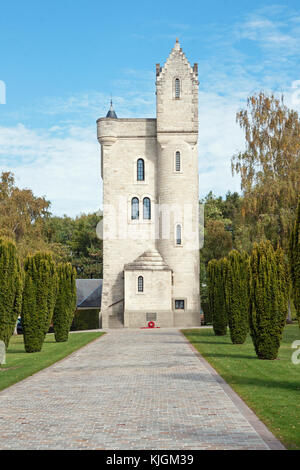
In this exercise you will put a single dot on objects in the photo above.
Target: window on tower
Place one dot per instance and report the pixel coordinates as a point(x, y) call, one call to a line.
point(140, 170)
point(178, 235)
point(177, 88)
point(140, 284)
point(177, 161)
point(147, 208)
point(135, 213)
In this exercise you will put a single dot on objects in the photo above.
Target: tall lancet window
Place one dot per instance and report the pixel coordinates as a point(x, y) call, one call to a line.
point(140, 284)
point(177, 88)
point(135, 213)
point(177, 161)
point(147, 208)
point(178, 235)
point(140, 170)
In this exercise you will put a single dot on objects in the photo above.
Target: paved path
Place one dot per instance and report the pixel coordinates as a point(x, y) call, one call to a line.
point(131, 389)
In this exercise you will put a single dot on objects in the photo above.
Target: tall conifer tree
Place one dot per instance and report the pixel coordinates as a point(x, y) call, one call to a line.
point(11, 283)
point(237, 295)
point(269, 289)
point(39, 297)
point(65, 303)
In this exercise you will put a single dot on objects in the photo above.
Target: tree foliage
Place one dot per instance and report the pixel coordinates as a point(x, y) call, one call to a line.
point(269, 287)
point(216, 273)
point(39, 297)
point(11, 284)
point(269, 168)
point(237, 295)
point(295, 261)
point(65, 305)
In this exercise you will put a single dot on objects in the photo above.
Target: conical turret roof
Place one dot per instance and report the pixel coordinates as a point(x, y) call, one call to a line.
point(111, 113)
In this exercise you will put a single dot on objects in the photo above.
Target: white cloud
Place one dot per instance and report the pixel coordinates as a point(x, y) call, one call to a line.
point(66, 170)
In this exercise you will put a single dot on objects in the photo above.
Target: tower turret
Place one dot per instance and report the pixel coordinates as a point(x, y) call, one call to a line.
point(177, 179)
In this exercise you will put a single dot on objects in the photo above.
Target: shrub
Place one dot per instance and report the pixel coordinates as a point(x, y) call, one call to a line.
point(216, 273)
point(10, 289)
point(237, 295)
point(65, 303)
point(268, 299)
point(295, 261)
point(39, 297)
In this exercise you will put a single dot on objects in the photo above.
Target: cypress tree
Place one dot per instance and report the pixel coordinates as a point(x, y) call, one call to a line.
point(11, 284)
point(268, 299)
point(39, 296)
point(65, 303)
point(237, 295)
point(295, 261)
point(216, 295)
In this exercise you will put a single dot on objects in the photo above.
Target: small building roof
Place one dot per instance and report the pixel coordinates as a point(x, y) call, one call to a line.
point(150, 260)
point(89, 293)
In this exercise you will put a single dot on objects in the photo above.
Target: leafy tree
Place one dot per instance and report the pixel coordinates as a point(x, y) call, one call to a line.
point(65, 303)
point(237, 295)
point(11, 284)
point(86, 247)
point(269, 286)
point(295, 261)
point(20, 211)
point(269, 168)
point(216, 273)
point(39, 297)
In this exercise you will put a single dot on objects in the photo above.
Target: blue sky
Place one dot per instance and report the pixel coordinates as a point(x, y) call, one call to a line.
point(61, 60)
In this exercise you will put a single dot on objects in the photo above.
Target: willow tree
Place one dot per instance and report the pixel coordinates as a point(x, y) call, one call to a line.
point(65, 305)
point(269, 167)
point(295, 261)
point(10, 289)
point(39, 297)
point(237, 295)
point(269, 289)
point(216, 273)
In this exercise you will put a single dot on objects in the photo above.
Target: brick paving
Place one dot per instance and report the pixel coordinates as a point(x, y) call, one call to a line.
point(130, 389)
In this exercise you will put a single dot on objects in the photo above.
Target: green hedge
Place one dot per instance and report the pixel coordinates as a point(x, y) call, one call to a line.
point(86, 320)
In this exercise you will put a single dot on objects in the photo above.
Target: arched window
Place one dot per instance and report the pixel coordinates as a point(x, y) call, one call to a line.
point(147, 208)
point(135, 213)
point(140, 170)
point(178, 235)
point(177, 88)
point(177, 161)
point(140, 284)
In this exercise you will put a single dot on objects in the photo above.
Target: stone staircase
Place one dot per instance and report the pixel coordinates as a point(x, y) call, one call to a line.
point(115, 321)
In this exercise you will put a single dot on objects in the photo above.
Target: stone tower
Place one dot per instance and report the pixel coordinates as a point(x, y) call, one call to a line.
point(150, 206)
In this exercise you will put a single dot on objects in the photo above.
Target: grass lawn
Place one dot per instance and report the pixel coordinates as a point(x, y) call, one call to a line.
point(20, 364)
point(270, 388)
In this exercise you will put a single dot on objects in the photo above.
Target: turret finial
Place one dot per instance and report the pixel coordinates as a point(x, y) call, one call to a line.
point(111, 113)
point(177, 45)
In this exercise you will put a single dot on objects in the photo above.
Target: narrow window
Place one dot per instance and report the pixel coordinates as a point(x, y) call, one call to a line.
point(179, 304)
point(178, 235)
point(147, 208)
point(140, 170)
point(135, 208)
point(178, 161)
point(140, 284)
point(177, 88)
